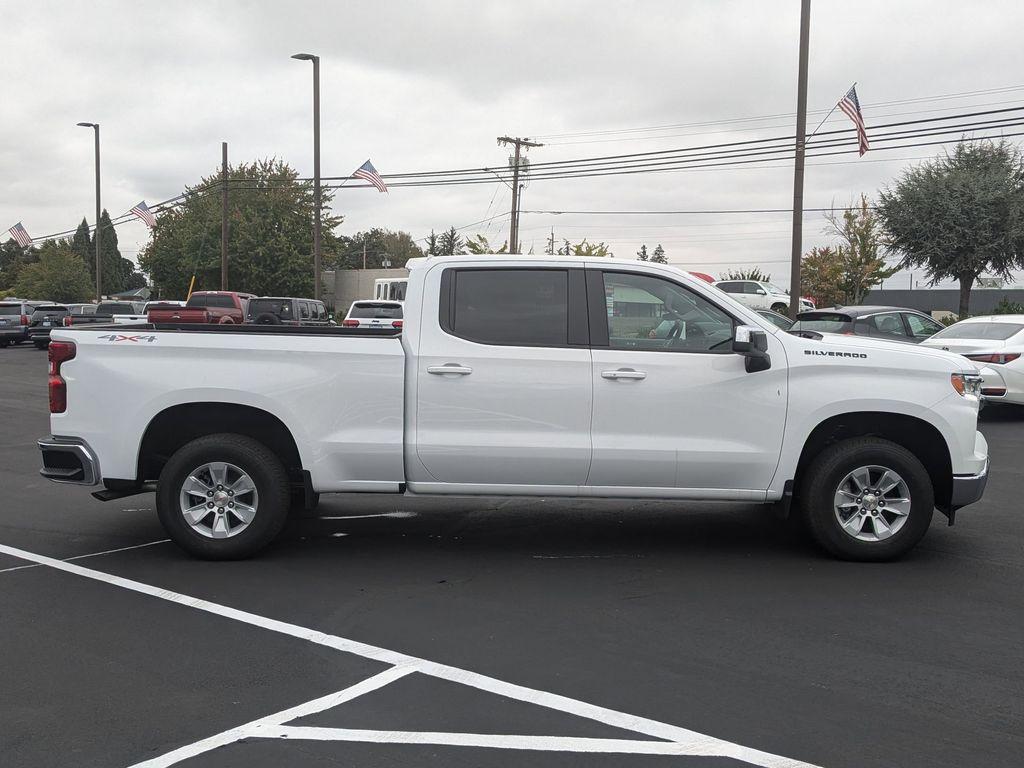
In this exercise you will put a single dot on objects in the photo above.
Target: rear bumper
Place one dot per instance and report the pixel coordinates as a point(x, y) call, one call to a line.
point(68, 460)
point(967, 489)
point(14, 333)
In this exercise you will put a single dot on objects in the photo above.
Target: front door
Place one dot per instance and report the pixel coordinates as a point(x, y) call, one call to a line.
point(673, 406)
point(503, 379)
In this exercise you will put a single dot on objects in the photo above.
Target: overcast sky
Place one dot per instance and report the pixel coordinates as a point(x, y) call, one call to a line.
point(429, 86)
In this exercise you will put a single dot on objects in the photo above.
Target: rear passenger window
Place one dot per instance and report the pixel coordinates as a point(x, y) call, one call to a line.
point(518, 307)
point(304, 310)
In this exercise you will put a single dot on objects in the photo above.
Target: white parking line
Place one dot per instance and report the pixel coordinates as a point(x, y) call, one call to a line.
point(91, 554)
point(689, 742)
point(399, 514)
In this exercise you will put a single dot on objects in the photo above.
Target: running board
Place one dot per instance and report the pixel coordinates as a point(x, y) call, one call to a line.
point(110, 495)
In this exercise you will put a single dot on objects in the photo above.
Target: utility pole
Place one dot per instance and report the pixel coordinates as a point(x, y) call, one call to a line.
point(317, 194)
point(97, 237)
point(364, 254)
point(224, 216)
point(518, 143)
point(798, 168)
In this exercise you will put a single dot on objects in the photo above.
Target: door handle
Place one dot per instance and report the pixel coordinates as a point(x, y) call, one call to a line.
point(624, 373)
point(449, 368)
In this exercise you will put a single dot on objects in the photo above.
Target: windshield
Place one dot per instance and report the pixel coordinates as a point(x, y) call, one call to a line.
point(822, 323)
point(10, 309)
point(993, 331)
point(776, 288)
point(376, 311)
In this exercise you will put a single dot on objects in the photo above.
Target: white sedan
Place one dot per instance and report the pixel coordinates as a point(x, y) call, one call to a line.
point(994, 341)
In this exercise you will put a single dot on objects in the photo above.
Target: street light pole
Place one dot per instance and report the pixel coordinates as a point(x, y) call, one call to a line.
point(99, 232)
point(317, 196)
point(798, 167)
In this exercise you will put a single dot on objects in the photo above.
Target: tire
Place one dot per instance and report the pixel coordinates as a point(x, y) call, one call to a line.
point(211, 538)
point(268, 318)
point(41, 344)
point(4, 343)
point(895, 527)
point(782, 309)
point(226, 321)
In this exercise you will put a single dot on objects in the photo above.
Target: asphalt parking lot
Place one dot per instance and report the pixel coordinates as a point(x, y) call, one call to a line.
point(495, 632)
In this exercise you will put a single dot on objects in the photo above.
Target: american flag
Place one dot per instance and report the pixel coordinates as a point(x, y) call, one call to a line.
point(850, 104)
point(142, 211)
point(367, 172)
point(20, 235)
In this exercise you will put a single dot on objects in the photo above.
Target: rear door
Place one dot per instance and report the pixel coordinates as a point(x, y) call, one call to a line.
point(503, 373)
point(674, 407)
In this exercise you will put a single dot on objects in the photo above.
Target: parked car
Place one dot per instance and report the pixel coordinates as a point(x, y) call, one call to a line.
point(779, 321)
point(522, 375)
point(81, 309)
point(266, 310)
point(374, 314)
point(758, 294)
point(15, 316)
point(220, 307)
point(43, 319)
point(892, 323)
point(995, 341)
point(109, 313)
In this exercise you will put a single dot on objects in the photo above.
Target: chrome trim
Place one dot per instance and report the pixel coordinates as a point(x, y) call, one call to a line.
point(86, 457)
point(967, 489)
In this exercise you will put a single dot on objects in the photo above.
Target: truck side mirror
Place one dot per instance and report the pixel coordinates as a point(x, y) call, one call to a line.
point(752, 343)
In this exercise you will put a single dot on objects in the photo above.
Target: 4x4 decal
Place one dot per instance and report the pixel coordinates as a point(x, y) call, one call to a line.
point(128, 337)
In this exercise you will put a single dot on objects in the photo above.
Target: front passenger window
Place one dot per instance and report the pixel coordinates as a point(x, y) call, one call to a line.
point(647, 313)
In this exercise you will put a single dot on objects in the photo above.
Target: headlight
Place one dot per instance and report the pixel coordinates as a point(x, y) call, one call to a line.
point(966, 384)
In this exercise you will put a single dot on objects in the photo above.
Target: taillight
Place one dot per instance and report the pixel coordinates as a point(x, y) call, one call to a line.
point(24, 319)
point(396, 323)
point(350, 323)
point(60, 352)
point(1000, 358)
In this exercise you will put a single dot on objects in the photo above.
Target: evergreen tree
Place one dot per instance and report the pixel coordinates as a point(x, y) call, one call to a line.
point(642, 253)
point(433, 249)
point(659, 255)
point(450, 243)
point(81, 243)
point(118, 272)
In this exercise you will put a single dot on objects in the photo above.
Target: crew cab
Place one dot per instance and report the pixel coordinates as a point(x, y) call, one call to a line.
point(107, 313)
point(523, 376)
point(222, 307)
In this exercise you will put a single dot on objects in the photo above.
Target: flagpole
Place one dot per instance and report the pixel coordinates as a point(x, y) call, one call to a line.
point(834, 108)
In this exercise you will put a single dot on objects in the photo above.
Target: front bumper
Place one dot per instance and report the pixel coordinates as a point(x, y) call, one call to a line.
point(68, 460)
point(967, 489)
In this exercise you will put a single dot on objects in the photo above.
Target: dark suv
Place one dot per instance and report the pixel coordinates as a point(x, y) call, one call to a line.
point(43, 319)
point(892, 323)
point(267, 310)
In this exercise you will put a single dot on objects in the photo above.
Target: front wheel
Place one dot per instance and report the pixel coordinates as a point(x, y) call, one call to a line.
point(223, 497)
point(867, 499)
point(782, 309)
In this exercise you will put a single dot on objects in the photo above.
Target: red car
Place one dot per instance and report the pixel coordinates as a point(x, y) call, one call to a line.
point(219, 307)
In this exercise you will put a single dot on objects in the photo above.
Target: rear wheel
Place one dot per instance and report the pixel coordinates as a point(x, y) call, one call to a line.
point(223, 497)
point(867, 499)
point(782, 309)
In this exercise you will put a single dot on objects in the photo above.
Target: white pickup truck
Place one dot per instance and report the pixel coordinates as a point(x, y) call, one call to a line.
point(518, 375)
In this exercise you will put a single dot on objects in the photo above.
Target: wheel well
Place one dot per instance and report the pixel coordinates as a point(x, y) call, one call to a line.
point(174, 427)
point(916, 435)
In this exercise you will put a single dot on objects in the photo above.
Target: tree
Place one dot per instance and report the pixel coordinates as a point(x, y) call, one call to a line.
point(480, 244)
point(118, 272)
point(14, 258)
point(659, 255)
point(82, 244)
point(383, 246)
point(641, 255)
point(860, 248)
point(960, 215)
point(60, 274)
point(270, 238)
point(746, 274)
point(821, 276)
point(433, 248)
point(450, 243)
point(584, 248)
